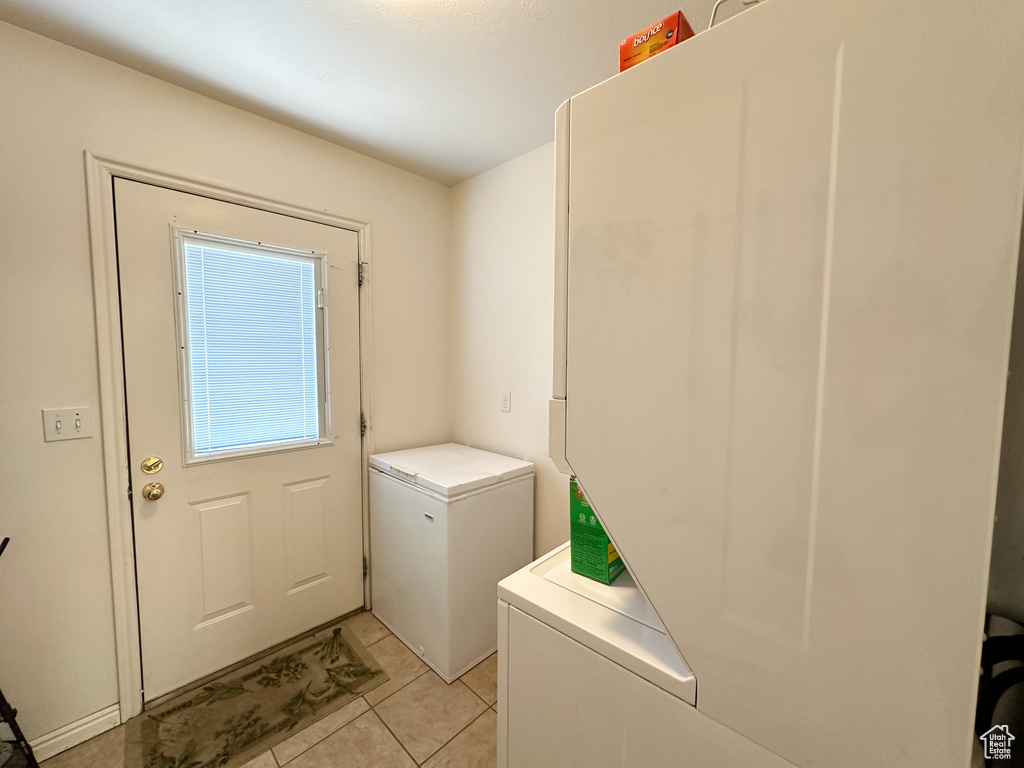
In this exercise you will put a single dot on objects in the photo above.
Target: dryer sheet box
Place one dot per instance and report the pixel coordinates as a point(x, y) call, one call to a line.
point(592, 553)
point(671, 30)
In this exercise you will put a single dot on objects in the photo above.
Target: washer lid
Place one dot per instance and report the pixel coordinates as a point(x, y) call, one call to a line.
point(450, 469)
point(612, 620)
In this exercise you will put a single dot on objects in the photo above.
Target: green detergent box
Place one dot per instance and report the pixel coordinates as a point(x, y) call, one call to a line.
point(592, 553)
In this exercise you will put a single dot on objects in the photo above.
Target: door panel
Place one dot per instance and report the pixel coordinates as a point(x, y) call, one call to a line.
point(221, 557)
point(240, 553)
point(307, 523)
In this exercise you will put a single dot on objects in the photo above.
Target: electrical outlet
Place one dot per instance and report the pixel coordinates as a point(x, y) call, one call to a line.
point(67, 423)
point(506, 402)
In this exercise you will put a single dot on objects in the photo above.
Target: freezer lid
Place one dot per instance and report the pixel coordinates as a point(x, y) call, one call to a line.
point(450, 469)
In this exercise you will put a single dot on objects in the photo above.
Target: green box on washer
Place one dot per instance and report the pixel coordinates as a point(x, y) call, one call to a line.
point(592, 553)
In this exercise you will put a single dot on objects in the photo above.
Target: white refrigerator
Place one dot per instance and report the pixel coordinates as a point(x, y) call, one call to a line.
point(786, 261)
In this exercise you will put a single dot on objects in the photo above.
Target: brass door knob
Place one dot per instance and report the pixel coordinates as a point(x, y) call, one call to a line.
point(153, 491)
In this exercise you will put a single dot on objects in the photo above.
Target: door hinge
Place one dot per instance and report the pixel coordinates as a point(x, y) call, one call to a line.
point(361, 267)
point(366, 567)
point(362, 425)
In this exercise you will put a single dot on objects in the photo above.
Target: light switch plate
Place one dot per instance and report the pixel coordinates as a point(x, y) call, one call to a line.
point(67, 423)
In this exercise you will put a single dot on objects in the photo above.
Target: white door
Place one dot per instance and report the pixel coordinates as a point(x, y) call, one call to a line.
point(257, 536)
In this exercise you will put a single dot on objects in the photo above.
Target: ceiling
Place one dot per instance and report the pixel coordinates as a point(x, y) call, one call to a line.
point(443, 88)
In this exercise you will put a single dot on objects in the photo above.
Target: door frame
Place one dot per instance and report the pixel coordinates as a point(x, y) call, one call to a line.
point(99, 175)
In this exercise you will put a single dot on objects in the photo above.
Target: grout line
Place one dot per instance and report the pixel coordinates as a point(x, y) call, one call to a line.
point(373, 707)
point(380, 720)
point(459, 679)
point(336, 730)
point(442, 746)
point(378, 640)
point(456, 735)
point(406, 685)
point(395, 735)
point(474, 692)
point(321, 741)
point(476, 718)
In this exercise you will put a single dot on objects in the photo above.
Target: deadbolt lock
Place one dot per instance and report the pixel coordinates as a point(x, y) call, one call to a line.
point(152, 465)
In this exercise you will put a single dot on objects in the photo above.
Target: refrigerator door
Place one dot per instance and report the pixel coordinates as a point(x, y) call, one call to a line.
point(792, 250)
point(450, 469)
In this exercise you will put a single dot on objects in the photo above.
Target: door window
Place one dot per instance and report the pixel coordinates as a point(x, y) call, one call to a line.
point(252, 342)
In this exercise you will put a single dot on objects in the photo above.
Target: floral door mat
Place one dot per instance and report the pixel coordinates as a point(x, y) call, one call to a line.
point(229, 721)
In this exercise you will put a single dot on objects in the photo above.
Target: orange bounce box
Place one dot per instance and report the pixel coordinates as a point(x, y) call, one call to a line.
point(655, 39)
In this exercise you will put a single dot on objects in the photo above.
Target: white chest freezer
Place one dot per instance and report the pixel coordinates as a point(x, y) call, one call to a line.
point(447, 522)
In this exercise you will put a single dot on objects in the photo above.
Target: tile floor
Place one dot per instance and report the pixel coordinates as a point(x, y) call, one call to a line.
point(414, 719)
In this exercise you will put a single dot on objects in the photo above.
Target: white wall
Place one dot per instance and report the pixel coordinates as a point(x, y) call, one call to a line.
point(56, 628)
point(502, 306)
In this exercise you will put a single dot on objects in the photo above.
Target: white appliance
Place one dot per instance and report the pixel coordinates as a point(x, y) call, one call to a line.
point(590, 678)
point(786, 259)
point(446, 523)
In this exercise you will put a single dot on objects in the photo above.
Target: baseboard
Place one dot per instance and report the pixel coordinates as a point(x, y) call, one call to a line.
point(54, 742)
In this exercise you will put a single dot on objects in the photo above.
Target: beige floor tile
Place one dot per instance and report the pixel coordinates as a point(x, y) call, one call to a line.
point(363, 743)
point(311, 735)
point(483, 679)
point(427, 713)
point(401, 664)
point(103, 751)
point(367, 628)
point(266, 760)
point(475, 747)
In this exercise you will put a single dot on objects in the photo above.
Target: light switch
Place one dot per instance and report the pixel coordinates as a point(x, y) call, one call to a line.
point(67, 423)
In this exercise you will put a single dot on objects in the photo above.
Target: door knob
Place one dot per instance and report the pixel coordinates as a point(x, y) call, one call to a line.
point(153, 491)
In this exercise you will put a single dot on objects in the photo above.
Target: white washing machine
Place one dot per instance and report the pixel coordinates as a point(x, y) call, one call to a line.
point(446, 523)
point(781, 349)
point(588, 677)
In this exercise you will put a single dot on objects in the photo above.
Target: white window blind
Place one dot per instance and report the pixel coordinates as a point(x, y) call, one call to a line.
point(253, 348)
